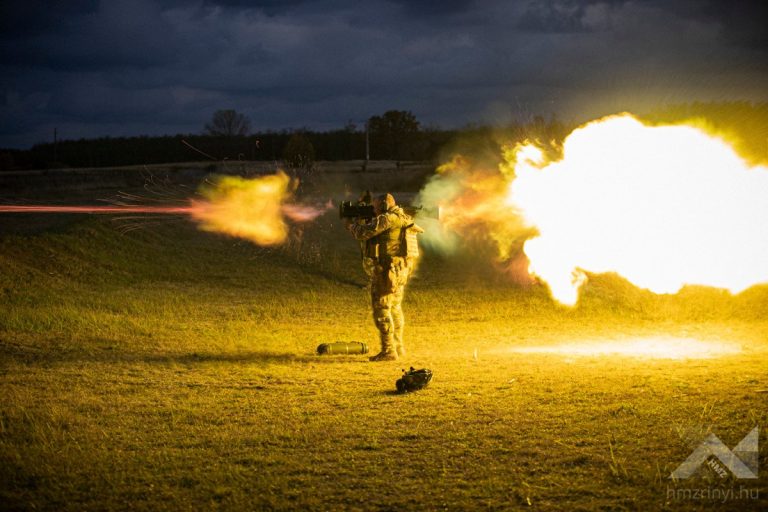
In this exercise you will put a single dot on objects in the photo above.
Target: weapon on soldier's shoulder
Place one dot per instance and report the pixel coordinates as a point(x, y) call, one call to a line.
point(350, 210)
point(422, 211)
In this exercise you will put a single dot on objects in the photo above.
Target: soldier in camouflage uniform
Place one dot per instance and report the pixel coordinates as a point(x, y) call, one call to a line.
point(383, 237)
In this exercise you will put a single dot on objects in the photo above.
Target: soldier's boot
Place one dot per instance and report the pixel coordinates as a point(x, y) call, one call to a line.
point(388, 352)
point(384, 356)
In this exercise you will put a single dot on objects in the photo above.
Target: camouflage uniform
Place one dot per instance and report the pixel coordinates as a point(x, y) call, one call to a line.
point(389, 275)
point(366, 249)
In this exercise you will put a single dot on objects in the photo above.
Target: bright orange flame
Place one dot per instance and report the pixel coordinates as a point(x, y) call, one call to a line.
point(663, 206)
point(477, 207)
point(251, 208)
point(473, 206)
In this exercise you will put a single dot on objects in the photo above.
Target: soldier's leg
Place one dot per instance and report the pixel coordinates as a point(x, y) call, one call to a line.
point(398, 320)
point(369, 266)
point(381, 304)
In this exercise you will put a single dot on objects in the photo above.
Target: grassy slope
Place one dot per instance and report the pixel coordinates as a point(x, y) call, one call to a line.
point(167, 368)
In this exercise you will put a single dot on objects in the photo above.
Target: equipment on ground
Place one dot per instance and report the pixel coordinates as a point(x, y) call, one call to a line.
point(413, 380)
point(342, 347)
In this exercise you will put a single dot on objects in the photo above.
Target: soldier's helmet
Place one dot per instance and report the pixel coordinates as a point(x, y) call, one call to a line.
point(384, 202)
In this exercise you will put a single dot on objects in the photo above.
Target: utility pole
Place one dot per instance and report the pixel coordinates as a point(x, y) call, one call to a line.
point(55, 145)
point(367, 145)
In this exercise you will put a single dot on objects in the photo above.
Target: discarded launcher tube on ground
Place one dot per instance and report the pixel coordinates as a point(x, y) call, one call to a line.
point(342, 347)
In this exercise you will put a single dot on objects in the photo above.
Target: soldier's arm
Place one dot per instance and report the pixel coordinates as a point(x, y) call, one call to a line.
point(377, 225)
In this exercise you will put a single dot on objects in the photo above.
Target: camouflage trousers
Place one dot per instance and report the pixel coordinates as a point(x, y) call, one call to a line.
point(369, 265)
point(387, 291)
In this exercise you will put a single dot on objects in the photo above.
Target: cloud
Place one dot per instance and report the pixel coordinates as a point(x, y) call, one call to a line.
point(318, 64)
point(32, 17)
point(741, 23)
point(269, 7)
point(118, 34)
point(431, 10)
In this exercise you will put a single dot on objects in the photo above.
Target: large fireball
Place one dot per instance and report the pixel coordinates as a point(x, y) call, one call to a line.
point(663, 206)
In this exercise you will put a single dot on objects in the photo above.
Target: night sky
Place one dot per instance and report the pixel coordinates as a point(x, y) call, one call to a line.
point(153, 67)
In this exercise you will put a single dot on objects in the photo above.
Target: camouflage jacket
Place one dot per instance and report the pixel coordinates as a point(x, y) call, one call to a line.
point(383, 233)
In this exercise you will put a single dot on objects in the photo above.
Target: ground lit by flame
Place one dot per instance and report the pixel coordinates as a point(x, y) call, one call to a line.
point(662, 347)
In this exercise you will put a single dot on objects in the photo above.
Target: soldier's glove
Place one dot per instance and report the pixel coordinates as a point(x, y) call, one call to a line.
point(413, 380)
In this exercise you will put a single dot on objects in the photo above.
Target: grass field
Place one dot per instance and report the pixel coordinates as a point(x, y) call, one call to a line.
point(170, 369)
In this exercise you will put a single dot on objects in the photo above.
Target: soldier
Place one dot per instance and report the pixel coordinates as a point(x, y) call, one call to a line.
point(385, 245)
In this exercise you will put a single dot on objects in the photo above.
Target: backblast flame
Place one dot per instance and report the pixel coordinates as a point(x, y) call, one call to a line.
point(663, 206)
point(472, 203)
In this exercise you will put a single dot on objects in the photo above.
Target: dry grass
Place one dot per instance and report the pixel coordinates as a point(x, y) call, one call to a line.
point(170, 369)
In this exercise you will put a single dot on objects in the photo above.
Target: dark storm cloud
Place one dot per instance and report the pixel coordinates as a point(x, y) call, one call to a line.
point(31, 17)
point(122, 67)
point(742, 23)
point(553, 17)
point(117, 35)
point(269, 7)
point(425, 8)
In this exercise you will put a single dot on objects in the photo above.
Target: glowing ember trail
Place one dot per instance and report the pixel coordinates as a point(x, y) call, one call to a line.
point(663, 206)
point(253, 209)
point(172, 210)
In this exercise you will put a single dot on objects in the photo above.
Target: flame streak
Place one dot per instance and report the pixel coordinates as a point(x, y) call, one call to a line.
point(253, 209)
point(168, 210)
point(302, 212)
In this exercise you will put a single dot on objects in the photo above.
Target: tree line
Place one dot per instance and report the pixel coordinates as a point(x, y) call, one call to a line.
point(395, 135)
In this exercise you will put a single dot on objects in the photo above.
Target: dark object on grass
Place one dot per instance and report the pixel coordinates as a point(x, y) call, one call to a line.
point(413, 380)
point(342, 347)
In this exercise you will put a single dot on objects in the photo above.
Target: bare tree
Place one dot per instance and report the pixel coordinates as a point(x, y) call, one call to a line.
point(228, 123)
point(393, 134)
point(299, 156)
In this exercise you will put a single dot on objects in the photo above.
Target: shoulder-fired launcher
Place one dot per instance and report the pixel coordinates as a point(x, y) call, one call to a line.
point(350, 210)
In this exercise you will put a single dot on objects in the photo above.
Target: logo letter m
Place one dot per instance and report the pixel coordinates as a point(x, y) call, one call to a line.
point(741, 461)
